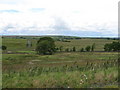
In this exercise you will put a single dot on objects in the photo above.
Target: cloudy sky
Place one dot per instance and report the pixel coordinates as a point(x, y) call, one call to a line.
point(59, 17)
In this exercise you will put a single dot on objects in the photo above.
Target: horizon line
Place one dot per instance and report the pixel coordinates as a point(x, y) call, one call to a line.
point(67, 35)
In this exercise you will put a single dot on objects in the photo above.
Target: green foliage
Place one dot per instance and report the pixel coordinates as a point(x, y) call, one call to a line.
point(4, 47)
point(45, 46)
point(88, 48)
point(114, 46)
point(93, 47)
point(82, 50)
point(108, 47)
point(74, 49)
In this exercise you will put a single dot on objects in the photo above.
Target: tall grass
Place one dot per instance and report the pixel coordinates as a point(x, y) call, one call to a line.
point(91, 75)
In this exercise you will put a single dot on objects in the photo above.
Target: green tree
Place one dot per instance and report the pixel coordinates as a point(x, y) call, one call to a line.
point(108, 47)
point(88, 48)
point(82, 50)
point(4, 47)
point(74, 49)
point(114, 46)
point(45, 46)
point(93, 47)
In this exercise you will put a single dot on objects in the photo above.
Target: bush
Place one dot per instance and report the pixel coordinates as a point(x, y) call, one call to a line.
point(74, 49)
point(45, 46)
point(4, 47)
point(93, 47)
point(114, 46)
point(108, 47)
point(82, 50)
point(88, 48)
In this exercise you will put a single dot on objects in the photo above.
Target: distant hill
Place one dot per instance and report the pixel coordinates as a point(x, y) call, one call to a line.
point(36, 37)
point(55, 37)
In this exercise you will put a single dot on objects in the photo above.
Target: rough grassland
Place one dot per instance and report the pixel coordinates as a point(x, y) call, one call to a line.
point(20, 44)
point(26, 69)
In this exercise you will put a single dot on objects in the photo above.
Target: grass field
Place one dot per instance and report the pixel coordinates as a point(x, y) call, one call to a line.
point(20, 44)
point(26, 69)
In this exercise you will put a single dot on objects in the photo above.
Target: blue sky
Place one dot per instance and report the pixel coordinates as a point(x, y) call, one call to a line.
point(59, 17)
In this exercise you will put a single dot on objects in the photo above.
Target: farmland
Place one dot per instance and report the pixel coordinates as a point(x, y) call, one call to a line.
point(26, 69)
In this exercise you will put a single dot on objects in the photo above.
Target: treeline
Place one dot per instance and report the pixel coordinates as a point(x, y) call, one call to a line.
point(114, 46)
point(46, 45)
point(101, 38)
point(60, 38)
point(73, 49)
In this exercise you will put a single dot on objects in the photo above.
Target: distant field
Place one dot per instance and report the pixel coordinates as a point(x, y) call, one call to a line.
point(20, 44)
point(25, 69)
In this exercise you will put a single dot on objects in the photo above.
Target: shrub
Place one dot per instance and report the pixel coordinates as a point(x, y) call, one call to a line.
point(93, 47)
point(4, 47)
point(74, 49)
point(88, 48)
point(82, 50)
point(45, 46)
point(114, 46)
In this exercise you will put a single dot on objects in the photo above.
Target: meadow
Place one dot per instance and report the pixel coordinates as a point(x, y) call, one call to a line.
point(25, 69)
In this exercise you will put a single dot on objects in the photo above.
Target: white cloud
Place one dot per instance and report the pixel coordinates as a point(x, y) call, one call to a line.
point(51, 15)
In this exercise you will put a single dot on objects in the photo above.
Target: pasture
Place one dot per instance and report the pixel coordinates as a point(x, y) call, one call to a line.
point(14, 44)
point(25, 69)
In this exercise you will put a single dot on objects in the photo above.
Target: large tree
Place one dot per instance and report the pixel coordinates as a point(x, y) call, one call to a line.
point(114, 46)
point(45, 46)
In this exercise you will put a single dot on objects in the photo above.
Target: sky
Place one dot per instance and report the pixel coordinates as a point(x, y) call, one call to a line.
point(84, 18)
